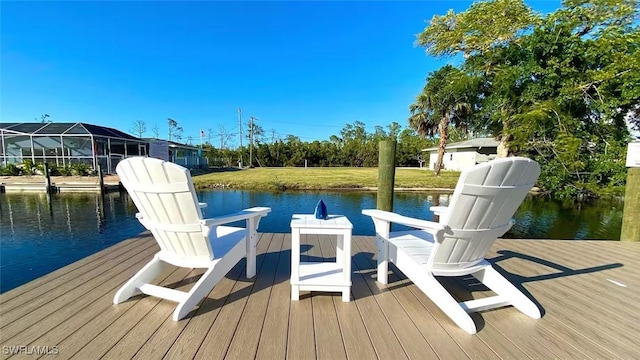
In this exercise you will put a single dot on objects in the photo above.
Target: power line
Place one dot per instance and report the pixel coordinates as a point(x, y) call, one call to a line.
point(305, 124)
point(240, 126)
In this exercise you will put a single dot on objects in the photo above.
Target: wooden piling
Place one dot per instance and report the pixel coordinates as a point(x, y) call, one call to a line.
point(386, 174)
point(631, 213)
point(47, 179)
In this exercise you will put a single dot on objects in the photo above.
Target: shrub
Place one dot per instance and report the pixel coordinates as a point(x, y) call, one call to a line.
point(28, 167)
point(65, 170)
point(53, 170)
point(9, 170)
point(80, 169)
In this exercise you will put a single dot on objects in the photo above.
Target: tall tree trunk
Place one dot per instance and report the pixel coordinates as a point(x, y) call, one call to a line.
point(503, 148)
point(443, 129)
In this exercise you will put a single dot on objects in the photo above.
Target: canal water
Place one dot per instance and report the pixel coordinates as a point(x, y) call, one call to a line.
point(40, 233)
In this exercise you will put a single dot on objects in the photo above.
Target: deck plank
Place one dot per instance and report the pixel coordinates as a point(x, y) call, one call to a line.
point(616, 266)
point(472, 346)
point(410, 338)
point(174, 339)
point(134, 339)
point(275, 329)
point(355, 338)
point(557, 320)
point(384, 340)
point(598, 300)
point(107, 329)
point(301, 337)
point(575, 316)
point(187, 334)
point(329, 343)
point(586, 315)
point(80, 296)
point(218, 339)
point(244, 344)
point(64, 321)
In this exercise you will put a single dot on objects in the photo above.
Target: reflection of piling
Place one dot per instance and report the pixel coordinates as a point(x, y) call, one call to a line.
point(47, 179)
point(435, 198)
point(100, 203)
point(631, 214)
point(50, 204)
point(386, 174)
point(101, 179)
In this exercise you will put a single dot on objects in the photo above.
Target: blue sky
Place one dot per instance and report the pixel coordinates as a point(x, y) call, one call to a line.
point(303, 68)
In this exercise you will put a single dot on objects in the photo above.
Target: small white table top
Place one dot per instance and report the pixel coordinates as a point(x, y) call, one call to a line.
point(310, 221)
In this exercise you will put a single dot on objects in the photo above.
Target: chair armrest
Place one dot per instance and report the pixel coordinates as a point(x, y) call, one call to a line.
point(390, 217)
point(382, 221)
point(439, 210)
point(240, 215)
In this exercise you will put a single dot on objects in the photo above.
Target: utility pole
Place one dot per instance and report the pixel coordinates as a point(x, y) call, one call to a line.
point(251, 140)
point(240, 126)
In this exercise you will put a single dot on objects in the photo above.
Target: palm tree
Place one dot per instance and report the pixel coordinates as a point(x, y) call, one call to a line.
point(445, 100)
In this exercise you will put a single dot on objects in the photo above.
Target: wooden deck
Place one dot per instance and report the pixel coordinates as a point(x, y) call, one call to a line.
point(589, 291)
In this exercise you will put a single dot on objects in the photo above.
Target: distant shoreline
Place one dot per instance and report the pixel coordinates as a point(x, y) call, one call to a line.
point(278, 179)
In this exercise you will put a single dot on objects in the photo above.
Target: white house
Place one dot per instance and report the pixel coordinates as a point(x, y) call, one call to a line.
point(464, 154)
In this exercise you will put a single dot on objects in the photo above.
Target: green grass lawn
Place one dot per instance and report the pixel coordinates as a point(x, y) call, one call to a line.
point(322, 178)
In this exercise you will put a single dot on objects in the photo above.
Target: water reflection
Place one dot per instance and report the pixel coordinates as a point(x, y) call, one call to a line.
point(537, 217)
point(41, 233)
point(541, 218)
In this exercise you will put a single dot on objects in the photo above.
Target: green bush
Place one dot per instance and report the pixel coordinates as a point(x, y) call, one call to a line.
point(28, 167)
point(80, 169)
point(9, 170)
point(65, 170)
point(53, 170)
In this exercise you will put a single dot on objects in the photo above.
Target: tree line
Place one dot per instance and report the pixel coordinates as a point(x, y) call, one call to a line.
point(559, 88)
point(354, 146)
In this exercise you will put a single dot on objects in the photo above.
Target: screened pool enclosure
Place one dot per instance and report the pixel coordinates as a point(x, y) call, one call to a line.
point(67, 144)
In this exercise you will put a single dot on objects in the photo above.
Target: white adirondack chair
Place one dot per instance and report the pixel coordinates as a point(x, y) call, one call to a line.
point(480, 211)
point(168, 207)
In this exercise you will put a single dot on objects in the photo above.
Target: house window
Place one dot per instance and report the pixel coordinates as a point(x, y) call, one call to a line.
point(450, 157)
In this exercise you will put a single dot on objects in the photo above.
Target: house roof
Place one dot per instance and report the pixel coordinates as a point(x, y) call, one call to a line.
point(473, 143)
point(60, 128)
point(173, 144)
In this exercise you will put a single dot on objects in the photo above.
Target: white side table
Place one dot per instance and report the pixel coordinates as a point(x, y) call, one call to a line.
point(321, 276)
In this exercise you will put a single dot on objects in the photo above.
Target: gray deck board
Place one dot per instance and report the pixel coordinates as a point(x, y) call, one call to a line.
point(588, 290)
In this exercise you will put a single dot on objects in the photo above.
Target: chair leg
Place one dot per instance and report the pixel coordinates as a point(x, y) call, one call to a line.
point(251, 241)
point(383, 260)
point(149, 272)
point(503, 287)
point(208, 280)
point(441, 297)
point(199, 290)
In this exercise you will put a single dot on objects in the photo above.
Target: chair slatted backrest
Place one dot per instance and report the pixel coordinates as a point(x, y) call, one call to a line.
point(481, 209)
point(165, 197)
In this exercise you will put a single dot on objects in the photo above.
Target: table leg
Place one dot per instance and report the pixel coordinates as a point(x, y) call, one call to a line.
point(346, 264)
point(347, 256)
point(346, 295)
point(295, 264)
point(340, 249)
